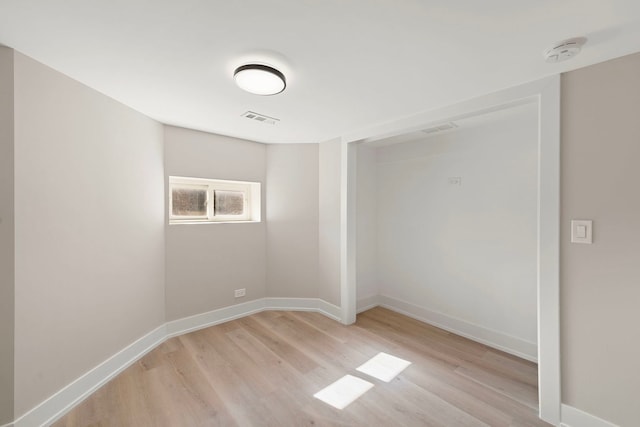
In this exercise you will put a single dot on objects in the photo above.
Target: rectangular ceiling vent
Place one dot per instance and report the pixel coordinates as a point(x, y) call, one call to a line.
point(440, 128)
point(260, 118)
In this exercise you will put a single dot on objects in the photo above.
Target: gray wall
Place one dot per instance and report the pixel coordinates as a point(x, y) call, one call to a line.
point(292, 220)
point(366, 224)
point(89, 230)
point(6, 236)
point(205, 263)
point(329, 160)
point(600, 283)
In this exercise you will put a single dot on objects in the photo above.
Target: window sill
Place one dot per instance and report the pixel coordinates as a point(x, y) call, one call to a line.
point(213, 222)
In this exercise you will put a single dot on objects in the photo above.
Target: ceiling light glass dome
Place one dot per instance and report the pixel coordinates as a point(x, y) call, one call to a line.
point(260, 79)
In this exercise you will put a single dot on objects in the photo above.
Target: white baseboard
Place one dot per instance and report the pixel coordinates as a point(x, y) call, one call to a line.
point(214, 317)
point(572, 417)
point(332, 311)
point(507, 343)
point(64, 400)
point(367, 303)
point(293, 304)
point(304, 304)
point(57, 405)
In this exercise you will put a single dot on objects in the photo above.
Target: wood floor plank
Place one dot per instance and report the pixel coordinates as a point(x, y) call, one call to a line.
point(281, 373)
point(410, 342)
point(440, 411)
point(446, 345)
point(521, 369)
point(263, 370)
point(236, 390)
point(201, 398)
point(524, 393)
point(472, 397)
point(283, 349)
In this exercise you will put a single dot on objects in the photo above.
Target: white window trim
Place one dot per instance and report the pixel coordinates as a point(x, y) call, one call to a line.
point(251, 192)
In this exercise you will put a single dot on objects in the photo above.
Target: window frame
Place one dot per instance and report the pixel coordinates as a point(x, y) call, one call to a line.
point(251, 202)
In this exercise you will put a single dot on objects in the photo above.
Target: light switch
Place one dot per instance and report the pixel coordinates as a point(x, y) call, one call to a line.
point(581, 231)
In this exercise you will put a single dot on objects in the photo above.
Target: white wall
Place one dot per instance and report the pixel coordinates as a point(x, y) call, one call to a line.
point(6, 236)
point(465, 255)
point(366, 225)
point(329, 192)
point(89, 230)
point(600, 283)
point(292, 220)
point(205, 263)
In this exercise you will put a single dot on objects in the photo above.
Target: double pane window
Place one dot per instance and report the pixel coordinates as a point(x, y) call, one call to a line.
point(208, 200)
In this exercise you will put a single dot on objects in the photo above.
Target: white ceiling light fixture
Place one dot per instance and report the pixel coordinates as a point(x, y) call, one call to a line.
point(564, 50)
point(260, 79)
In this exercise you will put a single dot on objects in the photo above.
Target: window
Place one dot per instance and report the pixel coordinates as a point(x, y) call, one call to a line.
point(194, 200)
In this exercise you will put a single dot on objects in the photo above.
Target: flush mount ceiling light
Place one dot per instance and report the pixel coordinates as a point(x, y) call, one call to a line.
point(259, 79)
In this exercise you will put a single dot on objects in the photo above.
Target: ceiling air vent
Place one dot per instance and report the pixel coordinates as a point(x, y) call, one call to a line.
point(260, 118)
point(440, 128)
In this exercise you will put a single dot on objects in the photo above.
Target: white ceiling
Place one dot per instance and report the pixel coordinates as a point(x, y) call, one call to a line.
point(350, 64)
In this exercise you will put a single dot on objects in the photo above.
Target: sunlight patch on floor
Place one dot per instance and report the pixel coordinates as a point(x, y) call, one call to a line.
point(384, 367)
point(344, 391)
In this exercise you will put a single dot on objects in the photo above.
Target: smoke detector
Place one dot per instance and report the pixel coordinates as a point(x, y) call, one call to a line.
point(564, 50)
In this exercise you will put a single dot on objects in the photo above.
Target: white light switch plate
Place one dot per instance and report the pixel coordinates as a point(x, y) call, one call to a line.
point(581, 231)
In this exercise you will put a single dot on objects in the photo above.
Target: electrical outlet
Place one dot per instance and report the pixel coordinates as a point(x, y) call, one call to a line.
point(240, 292)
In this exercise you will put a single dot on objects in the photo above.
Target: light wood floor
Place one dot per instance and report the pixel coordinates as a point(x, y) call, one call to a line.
point(263, 370)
